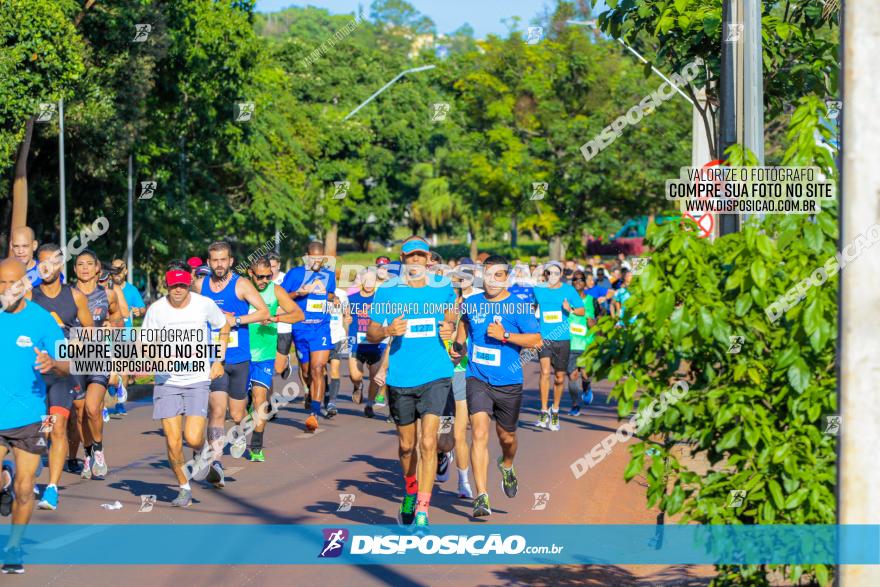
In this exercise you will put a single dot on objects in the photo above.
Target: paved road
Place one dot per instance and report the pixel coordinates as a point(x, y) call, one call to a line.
point(304, 474)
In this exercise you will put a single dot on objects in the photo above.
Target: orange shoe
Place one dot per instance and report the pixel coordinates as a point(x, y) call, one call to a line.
point(311, 423)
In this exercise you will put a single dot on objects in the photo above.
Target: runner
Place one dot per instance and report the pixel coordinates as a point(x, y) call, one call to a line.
point(180, 401)
point(69, 308)
point(136, 308)
point(234, 296)
point(556, 300)
point(282, 359)
point(385, 270)
point(264, 342)
point(497, 326)
point(23, 244)
point(28, 335)
point(340, 351)
point(312, 286)
point(579, 327)
point(89, 403)
point(411, 310)
point(365, 356)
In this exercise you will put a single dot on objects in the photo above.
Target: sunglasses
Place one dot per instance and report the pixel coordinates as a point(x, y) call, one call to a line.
point(263, 276)
point(578, 279)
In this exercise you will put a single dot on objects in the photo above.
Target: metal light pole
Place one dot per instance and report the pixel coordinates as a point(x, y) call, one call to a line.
point(727, 136)
point(592, 24)
point(386, 86)
point(62, 206)
point(129, 248)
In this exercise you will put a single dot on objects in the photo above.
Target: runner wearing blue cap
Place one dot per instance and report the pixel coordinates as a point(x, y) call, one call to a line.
point(416, 311)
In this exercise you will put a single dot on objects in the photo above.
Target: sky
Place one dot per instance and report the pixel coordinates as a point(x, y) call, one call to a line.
point(483, 15)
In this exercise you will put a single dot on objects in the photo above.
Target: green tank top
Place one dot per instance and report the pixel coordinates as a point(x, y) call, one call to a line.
point(577, 326)
point(264, 339)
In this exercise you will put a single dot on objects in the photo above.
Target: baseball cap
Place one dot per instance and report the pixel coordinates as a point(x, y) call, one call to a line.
point(382, 260)
point(553, 264)
point(203, 270)
point(178, 277)
point(194, 262)
point(465, 261)
point(414, 246)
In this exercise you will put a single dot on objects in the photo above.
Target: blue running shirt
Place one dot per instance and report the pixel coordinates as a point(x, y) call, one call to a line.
point(554, 320)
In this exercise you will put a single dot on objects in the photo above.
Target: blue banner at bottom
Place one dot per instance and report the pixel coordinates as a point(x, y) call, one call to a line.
point(147, 544)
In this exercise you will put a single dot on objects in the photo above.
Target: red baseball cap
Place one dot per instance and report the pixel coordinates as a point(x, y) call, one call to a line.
point(194, 262)
point(382, 260)
point(178, 277)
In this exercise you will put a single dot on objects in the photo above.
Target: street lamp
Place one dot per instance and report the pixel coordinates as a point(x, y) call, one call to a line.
point(386, 86)
point(592, 24)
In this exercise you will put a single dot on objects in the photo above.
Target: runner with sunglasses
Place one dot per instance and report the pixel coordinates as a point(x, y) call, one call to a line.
point(579, 327)
point(263, 344)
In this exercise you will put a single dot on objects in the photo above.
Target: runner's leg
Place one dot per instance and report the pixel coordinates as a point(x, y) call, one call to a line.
point(480, 450)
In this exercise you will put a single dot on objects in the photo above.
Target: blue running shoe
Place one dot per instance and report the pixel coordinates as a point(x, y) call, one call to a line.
point(120, 409)
point(587, 396)
point(421, 524)
point(105, 414)
point(50, 498)
point(574, 411)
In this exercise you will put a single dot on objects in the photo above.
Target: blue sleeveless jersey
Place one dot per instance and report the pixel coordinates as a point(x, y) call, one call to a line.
point(239, 348)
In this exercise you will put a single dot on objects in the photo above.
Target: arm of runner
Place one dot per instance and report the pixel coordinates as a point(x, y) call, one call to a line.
point(83, 314)
point(117, 320)
point(246, 291)
point(120, 299)
point(292, 313)
point(448, 326)
point(217, 319)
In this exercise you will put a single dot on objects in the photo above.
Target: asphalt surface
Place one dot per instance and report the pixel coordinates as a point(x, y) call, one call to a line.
point(304, 475)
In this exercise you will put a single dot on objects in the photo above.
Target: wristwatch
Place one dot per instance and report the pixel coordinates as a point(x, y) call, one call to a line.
point(506, 336)
point(238, 321)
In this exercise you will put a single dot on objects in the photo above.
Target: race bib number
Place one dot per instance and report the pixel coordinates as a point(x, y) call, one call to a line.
point(577, 329)
point(314, 305)
point(233, 338)
point(553, 317)
point(361, 337)
point(421, 328)
point(486, 356)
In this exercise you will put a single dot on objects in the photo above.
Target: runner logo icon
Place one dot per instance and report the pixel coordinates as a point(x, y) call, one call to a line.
point(334, 540)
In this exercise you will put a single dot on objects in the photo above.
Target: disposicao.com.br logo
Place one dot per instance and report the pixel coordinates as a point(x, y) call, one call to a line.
point(431, 544)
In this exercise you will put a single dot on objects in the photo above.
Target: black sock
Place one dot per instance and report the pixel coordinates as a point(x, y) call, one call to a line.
point(97, 446)
point(88, 450)
point(256, 440)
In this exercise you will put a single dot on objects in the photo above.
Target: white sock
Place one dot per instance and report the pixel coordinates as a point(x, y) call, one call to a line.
point(463, 474)
point(51, 485)
point(186, 486)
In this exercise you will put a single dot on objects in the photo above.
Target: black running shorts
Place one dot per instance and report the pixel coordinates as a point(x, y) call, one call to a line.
point(558, 351)
point(27, 438)
point(234, 380)
point(502, 402)
point(407, 404)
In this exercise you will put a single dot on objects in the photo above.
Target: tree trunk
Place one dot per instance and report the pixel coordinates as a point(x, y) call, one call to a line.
point(473, 238)
point(19, 186)
point(331, 239)
point(557, 252)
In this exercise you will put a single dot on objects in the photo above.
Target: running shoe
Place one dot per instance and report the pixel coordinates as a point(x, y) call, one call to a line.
point(12, 561)
point(87, 468)
point(99, 464)
point(543, 421)
point(508, 479)
point(554, 421)
point(6, 495)
point(443, 461)
point(407, 512)
point(73, 466)
point(368, 411)
point(574, 411)
point(286, 372)
point(331, 410)
point(464, 488)
point(200, 467)
point(238, 446)
point(481, 506)
point(50, 499)
point(105, 414)
point(356, 395)
point(421, 521)
point(184, 499)
point(121, 394)
point(120, 409)
point(216, 476)
point(311, 423)
point(587, 396)
point(256, 456)
point(380, 400)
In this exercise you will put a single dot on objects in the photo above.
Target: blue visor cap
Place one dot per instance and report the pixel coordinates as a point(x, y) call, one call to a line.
point(413, 246)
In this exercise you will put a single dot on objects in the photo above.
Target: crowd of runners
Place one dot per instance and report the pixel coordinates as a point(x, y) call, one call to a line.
point(442, 345)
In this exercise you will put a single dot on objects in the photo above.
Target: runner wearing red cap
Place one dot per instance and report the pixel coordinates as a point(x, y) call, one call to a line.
point(181, 401)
